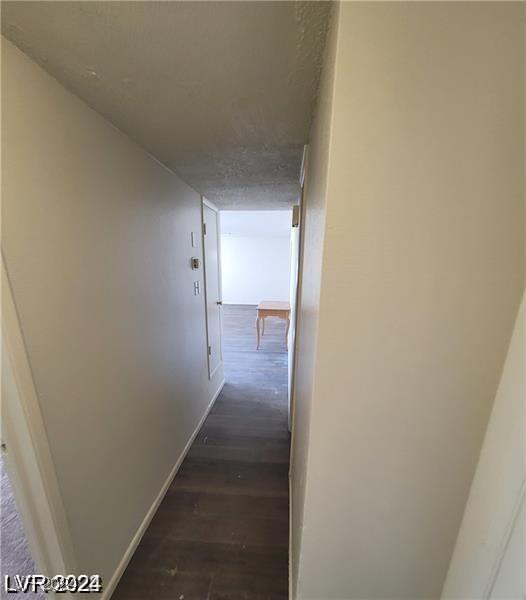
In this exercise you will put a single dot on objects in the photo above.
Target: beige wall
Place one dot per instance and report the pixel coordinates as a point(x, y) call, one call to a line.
point(423, 268)
point(315, 190)
point(96, 238)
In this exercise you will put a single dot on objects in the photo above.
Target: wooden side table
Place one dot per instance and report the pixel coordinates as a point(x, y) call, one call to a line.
point(272, 308)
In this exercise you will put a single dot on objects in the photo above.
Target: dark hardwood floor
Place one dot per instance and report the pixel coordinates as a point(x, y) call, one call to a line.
point(221, 532)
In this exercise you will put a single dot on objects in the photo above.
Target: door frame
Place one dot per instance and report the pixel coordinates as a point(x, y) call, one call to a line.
point(297, 301)
point(211, 206)
point(27, 455)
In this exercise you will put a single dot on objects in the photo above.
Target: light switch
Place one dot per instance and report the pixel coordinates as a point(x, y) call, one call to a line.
point(197, 288)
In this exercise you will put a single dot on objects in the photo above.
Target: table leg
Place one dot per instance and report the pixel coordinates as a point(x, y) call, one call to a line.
point(257, 332)
point(263, 328)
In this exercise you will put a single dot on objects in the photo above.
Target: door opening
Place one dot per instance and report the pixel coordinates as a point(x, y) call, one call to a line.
point(260, 257)
point(256, 285)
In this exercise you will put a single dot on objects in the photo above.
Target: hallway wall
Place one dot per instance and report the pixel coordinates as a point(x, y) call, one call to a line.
point(314, 205)
point(97, 243)
point(422, 273)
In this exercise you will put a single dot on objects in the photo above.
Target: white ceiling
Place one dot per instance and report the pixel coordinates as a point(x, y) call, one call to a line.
point(221, 92)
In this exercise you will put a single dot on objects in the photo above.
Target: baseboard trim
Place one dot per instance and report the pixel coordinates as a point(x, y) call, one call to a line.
point(110, 588)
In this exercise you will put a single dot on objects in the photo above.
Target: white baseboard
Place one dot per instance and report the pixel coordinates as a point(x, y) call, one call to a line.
point(121, 567)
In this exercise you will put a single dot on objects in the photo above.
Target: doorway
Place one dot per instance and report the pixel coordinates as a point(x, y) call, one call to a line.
point(256, 286)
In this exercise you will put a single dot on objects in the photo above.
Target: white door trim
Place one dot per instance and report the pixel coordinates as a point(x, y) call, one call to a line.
point(209, 204)
point(297, 307)
point(28, 457)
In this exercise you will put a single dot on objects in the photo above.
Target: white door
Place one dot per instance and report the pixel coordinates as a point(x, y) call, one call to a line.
point(212, 285)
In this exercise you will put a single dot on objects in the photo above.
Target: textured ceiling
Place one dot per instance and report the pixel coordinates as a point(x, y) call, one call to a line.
point(221, 92)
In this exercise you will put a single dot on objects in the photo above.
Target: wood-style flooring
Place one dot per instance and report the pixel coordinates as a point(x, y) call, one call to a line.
point(221, 532)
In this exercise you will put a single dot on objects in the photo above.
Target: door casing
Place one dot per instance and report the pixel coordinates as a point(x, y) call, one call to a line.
point(295, 269)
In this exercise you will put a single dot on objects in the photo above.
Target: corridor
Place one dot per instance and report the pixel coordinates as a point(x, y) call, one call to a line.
point(221, 532)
